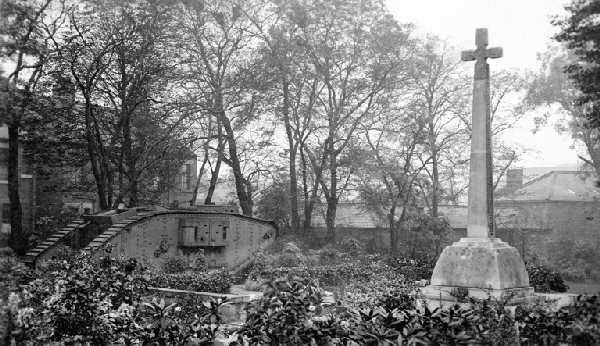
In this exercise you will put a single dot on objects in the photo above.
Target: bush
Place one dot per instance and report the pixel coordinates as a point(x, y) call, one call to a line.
point(413, 270)
point(573, 258)
point(544, 279)
point(78, 300)
point(218, 281)
point(571, 325)
point(327, 275)
point(281, 316)
point(82, 301)
point(175, 264)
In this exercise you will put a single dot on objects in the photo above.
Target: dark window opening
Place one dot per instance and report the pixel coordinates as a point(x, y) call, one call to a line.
point(6, 213)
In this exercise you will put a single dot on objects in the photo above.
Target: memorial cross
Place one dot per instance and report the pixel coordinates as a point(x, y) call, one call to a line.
point(480, 222)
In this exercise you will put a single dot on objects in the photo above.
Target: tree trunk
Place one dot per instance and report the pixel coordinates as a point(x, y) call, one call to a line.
point(18, 237)
point(393, 232)
point(200, 174)
point(214, 173)
point(240, 183)
point(435, 175)
point(331, 197)
point(95, 155)
point(132, 174)
point(330, 217)
point(293, 148)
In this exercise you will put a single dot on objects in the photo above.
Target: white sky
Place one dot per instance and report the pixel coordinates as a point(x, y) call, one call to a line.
point(521, 27)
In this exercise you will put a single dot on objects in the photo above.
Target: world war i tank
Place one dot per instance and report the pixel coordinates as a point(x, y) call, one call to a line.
point(227, 239)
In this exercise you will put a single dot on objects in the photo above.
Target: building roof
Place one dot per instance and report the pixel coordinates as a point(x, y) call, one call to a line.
point(557, 186)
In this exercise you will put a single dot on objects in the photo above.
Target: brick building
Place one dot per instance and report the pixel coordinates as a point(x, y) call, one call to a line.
point(26, 189)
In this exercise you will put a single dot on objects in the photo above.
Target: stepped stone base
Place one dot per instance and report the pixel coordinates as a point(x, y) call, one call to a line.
point(484, 267)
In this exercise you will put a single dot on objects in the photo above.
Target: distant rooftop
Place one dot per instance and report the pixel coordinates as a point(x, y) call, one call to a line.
point(557, 186)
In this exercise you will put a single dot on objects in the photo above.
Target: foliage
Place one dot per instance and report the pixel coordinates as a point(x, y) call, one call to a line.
point(78, 300)
point(49, 220)
point(544, 279)
point(377, 290)
point(327, 275)
point(274, 204)
point(422, 235)
point(217, 281)
point(573, 325)
point(412, 269)
point(582, 35)
point(282, 315)
point(573, 258)
point(175, 264)
point(352, 246)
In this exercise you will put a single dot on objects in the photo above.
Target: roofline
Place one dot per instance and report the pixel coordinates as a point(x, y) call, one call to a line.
point(541, 201)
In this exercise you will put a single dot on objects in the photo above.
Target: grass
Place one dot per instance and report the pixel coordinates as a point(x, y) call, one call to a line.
point(589, 288)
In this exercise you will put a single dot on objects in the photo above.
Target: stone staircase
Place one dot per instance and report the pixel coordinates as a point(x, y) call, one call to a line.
point(54, 240)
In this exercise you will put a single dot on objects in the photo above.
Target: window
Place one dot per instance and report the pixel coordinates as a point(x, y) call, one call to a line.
point(86, 211)
point(6, 213)
point(185, 176)
point(4, 156)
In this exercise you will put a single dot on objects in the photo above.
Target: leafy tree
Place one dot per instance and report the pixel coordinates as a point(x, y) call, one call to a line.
point(285, 58)
point(274, 204)
point(441, 99)
point(553, 93)
point(358, 54)
point(390, 171)
point(222, 70)
point(121, 60)
point(581, 34)
point(26, 27)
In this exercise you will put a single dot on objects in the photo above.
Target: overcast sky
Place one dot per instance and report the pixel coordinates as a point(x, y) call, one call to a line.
point(521, 27)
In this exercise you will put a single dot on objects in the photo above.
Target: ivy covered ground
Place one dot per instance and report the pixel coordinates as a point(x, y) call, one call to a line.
point(76, 300)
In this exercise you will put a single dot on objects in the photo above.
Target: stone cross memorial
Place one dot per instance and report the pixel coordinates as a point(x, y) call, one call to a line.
point(481, 204)
point(480, 263)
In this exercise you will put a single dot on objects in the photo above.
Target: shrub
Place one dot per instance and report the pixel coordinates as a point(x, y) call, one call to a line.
point(218, 281)
point(573, 258)
point(291, 247)
point(80, 300)
point(352, 246)
point(281, 316)
point(413, 270)
point(253, 285)
point(327, 275)
point(175, 264)
point(544, 279)
point(200, 264)
point(328, 255)
point(571, 325)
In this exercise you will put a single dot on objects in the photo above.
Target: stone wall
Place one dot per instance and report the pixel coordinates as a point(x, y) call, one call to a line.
point(526, 226)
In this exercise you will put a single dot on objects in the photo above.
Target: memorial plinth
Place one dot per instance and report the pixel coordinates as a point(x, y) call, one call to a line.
point(481, 263)
point(484, 266)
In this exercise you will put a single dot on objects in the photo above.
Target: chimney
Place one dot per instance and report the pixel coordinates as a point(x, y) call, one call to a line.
point(514, 178)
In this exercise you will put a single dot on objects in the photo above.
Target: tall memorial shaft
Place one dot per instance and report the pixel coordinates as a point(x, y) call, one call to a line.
point(481, 263)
